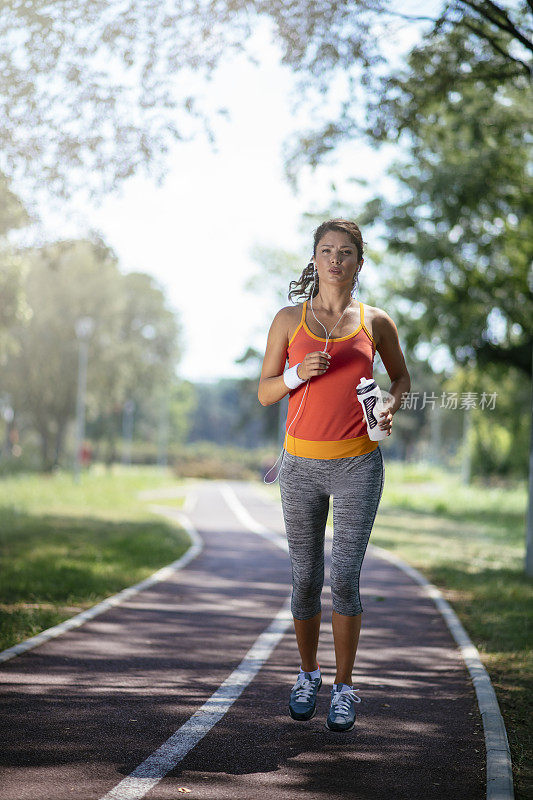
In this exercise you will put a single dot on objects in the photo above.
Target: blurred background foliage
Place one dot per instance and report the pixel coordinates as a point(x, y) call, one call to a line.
point(93, 86)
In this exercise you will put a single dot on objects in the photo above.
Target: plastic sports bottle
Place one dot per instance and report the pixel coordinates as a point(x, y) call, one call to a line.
point(369, 395)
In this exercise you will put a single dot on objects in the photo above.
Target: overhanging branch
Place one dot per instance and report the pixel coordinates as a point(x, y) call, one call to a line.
point(505, 25)
point(484, 35)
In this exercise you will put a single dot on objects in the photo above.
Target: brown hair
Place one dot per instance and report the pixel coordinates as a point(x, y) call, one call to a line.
point(303, 286)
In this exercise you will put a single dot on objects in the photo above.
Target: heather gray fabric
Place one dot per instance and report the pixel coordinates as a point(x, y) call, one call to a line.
point(306, 484)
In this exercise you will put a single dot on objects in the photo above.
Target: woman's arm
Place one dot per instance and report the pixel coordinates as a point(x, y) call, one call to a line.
point(272, 387)
point(388, 347)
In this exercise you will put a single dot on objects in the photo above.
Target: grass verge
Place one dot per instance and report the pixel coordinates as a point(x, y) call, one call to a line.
point(66, 546)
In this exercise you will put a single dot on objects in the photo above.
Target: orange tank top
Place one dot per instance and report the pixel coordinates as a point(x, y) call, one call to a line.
point(330, 421)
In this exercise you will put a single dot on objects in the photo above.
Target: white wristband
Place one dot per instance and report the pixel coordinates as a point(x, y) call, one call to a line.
point(291, 377)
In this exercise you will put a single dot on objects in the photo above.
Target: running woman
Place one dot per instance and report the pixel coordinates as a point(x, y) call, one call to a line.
point(330, 341)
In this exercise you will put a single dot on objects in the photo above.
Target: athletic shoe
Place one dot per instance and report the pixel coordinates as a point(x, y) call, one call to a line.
point(302, 703)
point(341, 715)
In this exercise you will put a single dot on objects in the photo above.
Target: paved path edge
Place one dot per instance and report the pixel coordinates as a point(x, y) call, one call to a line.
point(499, 767)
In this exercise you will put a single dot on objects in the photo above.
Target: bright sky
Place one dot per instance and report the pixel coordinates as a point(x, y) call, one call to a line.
point(195, 232)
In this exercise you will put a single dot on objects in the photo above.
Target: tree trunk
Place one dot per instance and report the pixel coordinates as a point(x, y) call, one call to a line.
point(59, 440)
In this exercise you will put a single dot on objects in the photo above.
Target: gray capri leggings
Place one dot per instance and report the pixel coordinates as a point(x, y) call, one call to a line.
point(356, 483)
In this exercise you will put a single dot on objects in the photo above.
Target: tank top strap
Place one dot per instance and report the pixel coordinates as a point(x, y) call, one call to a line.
point(301, 324)
point(363, 326)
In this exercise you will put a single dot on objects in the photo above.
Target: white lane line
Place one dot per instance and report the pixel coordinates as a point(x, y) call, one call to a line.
point(161, 575)
point(248, 521)
point(190, 502)
point(168, 756)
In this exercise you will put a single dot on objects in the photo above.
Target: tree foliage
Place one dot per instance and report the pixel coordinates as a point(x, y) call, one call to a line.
point(13, 306)
point(463, 224)
point(485, 45)
point(132, 351)
point(91, 91)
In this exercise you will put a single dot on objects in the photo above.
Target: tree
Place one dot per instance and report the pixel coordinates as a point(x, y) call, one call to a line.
point(68, 122)
point(91, 91)
point(136, 359)
point(131, 352)
point(13, 308)
point(338, 52)
point(64, 281)
point(463, 226)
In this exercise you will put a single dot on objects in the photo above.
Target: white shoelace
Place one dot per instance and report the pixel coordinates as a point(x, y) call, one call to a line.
point(341, 700)
point(304, 688)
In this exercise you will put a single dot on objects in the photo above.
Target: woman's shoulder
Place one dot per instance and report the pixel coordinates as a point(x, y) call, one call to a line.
point(372, 312)
point(288, 318)
point(378, 321)
point(288, 314)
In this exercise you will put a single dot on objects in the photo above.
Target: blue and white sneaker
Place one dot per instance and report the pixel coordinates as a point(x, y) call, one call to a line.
point(341, 715)
point(302, 703)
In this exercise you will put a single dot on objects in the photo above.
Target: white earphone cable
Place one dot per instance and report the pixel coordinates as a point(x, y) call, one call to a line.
point(282, 454)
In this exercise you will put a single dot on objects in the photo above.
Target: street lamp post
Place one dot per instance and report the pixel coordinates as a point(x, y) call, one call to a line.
point(84, 328)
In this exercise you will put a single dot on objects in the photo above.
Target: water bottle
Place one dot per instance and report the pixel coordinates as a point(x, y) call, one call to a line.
point(369, 395)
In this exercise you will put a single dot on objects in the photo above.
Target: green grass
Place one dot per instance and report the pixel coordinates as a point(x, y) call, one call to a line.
point(66, 546)
point(175, 502)
point(470, 542)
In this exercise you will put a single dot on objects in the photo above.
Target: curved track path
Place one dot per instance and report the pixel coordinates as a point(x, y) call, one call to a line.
point(82, 712)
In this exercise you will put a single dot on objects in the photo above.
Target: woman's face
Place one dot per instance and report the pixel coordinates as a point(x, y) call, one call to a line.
point(336, 259)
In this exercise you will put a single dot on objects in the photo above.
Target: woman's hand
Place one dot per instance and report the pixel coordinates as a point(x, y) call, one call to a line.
point(385, 421)
point(315, 363)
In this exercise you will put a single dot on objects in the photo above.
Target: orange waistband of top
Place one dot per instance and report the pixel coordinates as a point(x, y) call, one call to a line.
point(343, 448)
